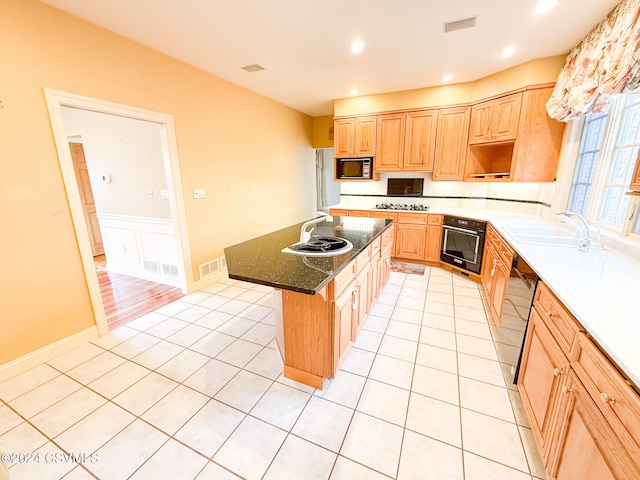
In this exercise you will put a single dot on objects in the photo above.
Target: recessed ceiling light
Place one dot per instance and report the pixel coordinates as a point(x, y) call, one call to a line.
point(353, 92)
point(545, 5)
point(447, 78)
point(357, 46)
point(507, 52)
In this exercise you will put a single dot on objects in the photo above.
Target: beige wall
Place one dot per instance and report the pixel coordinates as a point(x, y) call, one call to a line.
point(130, 152)
point(323, 132)
point(252, 154)
point(542, 70)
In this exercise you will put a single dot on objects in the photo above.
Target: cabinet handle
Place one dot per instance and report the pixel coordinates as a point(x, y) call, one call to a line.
point(354, 294)
point(493, 270)
point(550, 314)
point(566, 389)
point(556, 372)
point(605, 398)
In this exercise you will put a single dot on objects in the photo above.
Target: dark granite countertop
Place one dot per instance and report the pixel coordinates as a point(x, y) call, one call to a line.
point(261, 260)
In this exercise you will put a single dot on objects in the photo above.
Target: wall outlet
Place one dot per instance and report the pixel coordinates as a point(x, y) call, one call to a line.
point(199, 193)
point(164, 194)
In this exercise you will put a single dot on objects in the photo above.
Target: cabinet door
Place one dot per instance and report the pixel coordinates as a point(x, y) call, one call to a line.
point(362, 299)
point(420, 140)
point(537, 149)
point(505, 118)
point(411, 241)
point(373, 281)
point(479, 129)
point(364, 137)
point(451, 143)
point(541, 372)
point(390, 143)
point(343, 137)
point(344, 309)
point(434, 242)
point(489, 271)
point(587, 448)
point(499, 290)
point(635, 179)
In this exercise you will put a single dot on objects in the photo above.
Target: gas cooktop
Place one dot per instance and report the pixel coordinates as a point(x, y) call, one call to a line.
point(402, 206)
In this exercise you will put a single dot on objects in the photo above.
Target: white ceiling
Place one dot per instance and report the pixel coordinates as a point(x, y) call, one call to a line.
point(304, 45)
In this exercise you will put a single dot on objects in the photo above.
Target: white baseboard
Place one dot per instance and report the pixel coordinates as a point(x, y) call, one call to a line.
point(206, 282)
point(44, 354)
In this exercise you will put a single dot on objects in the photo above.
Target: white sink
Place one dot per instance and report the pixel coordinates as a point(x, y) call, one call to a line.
point(545, 235)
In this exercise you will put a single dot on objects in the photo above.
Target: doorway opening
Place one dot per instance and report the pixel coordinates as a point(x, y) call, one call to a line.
point(138, 244)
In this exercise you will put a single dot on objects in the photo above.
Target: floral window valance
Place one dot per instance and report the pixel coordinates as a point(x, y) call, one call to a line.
point(605, 62)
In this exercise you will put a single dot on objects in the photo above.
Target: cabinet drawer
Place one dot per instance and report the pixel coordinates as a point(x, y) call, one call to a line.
point(362, 259)
point(615, 398)
point(384, 214)
point(561, 323)
point(342, 279)
point(387, 238)
point(434, 219)
point(415, 218)
point(375, 246)
point(359, 213)
point(339, 212)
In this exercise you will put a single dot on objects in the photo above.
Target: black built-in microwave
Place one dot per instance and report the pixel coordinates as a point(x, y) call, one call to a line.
point(354, 168)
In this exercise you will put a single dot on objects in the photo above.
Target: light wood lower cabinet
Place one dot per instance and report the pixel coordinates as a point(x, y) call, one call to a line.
point(316, 332)
point(585, 418)
point(496, 271)
point(410, 241)
point(539, 382)
point(345, 314)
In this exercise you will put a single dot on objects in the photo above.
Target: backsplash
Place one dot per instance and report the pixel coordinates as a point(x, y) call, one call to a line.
point(529, 198)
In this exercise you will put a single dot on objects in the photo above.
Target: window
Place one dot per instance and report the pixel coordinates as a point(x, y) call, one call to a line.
point(607, 155)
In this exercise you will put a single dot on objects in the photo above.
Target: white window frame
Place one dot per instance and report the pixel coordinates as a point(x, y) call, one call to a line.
point(571, 149)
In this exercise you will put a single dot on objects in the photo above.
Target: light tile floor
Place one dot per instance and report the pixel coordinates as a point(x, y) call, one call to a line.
point(195, 390)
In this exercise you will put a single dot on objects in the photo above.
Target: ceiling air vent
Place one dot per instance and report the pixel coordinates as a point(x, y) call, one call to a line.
point(252, 68)
point(460, 24)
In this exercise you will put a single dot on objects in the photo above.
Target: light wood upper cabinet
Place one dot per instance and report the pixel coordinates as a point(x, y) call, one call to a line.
point(512, 139)
point(495, 120)
point(390, 142)
point(537, 148)
point(451, 143)
point(343, 135)
point(420, 140)
point(354, 137)
point(635, 179)
point(406, 141)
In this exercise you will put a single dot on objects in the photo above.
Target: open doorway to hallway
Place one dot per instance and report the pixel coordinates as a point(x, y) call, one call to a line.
point(139, 206)
point(122, 184)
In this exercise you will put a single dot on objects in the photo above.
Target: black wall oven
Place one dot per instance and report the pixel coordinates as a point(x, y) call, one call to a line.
point(463, 242)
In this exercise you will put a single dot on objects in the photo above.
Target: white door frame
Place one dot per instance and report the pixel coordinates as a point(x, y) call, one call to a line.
point(55, 101)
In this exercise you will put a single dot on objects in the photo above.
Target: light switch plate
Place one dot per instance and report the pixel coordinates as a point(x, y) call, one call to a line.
point(199, 193)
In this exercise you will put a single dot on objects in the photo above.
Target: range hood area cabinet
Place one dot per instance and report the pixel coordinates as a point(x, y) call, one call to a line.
point(406, 141)
point(531, 155)
point(354, 137)
point(495, 120)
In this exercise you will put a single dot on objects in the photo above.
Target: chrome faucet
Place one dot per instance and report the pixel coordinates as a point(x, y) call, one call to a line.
point(585, 241)
point(304, 235)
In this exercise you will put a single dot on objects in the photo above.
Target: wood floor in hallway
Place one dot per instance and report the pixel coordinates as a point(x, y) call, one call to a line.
point(126, 298)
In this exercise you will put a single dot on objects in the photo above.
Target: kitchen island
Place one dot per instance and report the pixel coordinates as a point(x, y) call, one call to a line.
point(321, 302)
